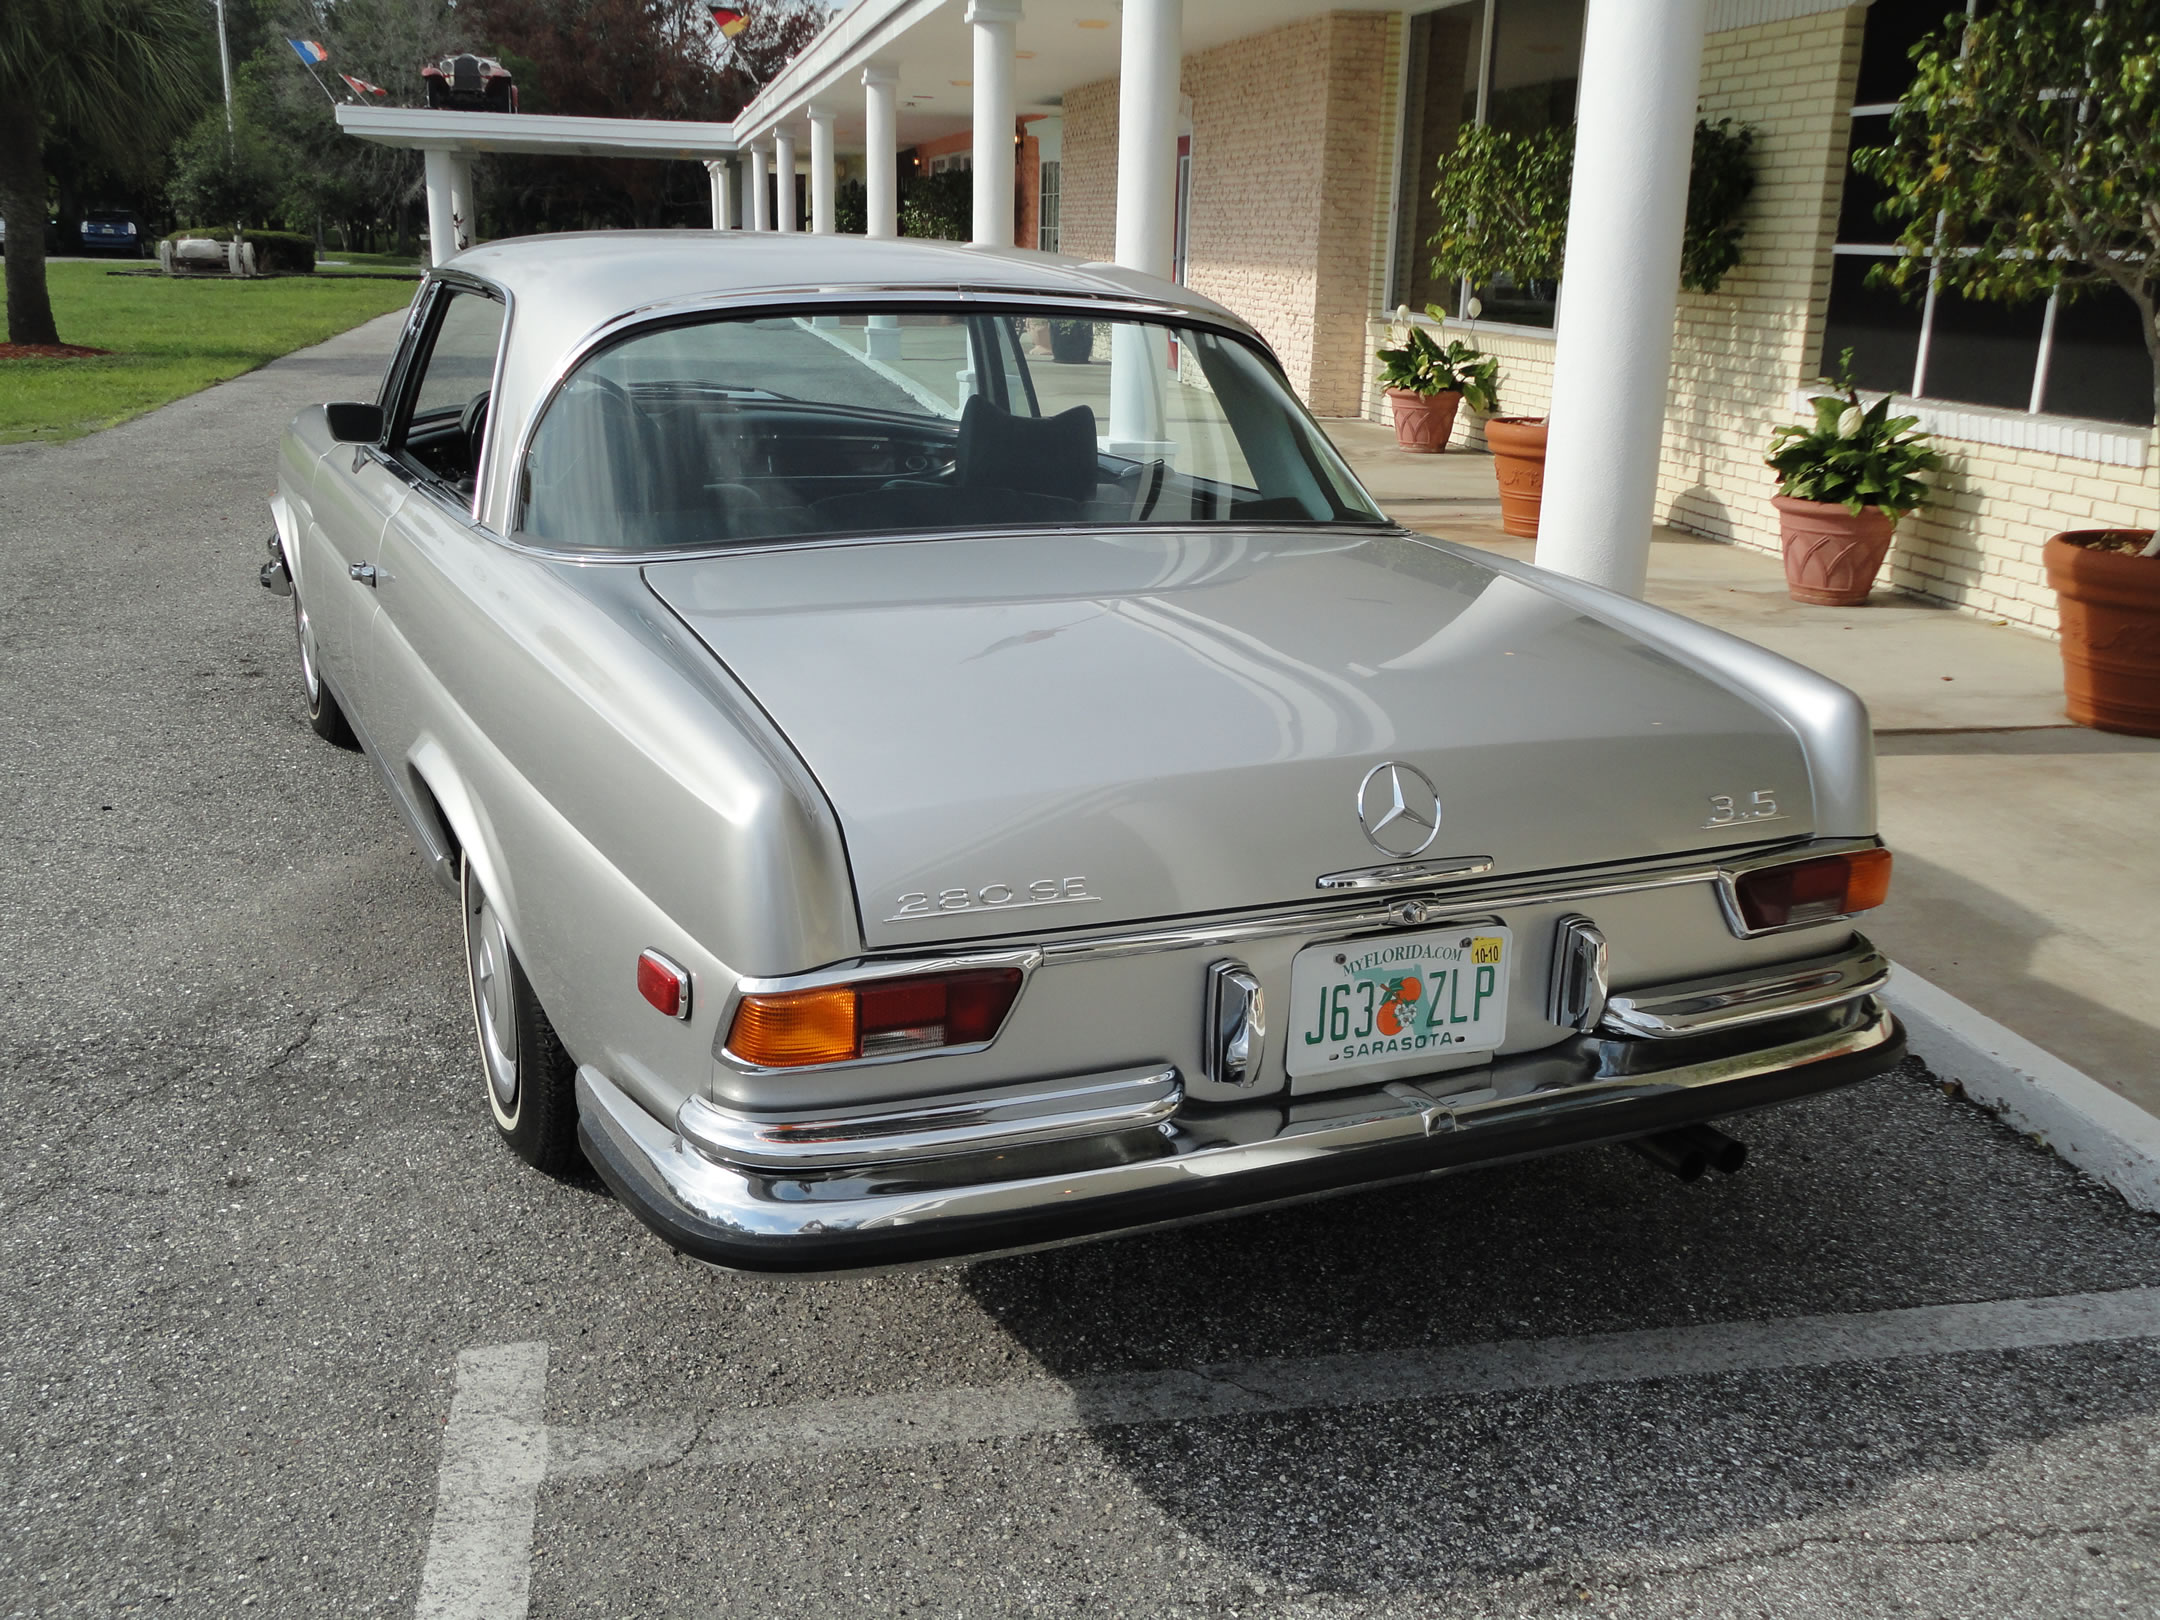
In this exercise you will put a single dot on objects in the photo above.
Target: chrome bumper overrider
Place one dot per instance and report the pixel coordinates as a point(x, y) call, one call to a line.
point(858, 1208)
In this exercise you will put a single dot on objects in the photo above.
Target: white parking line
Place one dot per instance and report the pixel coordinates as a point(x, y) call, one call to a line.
point(1043, 1406)
point(495, 1453)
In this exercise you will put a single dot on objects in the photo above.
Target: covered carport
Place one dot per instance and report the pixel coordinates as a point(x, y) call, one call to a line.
point(449, 140)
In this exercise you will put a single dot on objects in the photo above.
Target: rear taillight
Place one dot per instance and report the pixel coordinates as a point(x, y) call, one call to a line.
point(877, 1018)
point(1812, 890)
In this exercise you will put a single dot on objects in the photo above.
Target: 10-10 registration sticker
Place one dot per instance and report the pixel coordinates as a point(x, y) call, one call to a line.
point(1382, 1000)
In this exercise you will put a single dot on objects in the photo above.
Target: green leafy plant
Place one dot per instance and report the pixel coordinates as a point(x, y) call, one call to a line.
point(1856, 455)
point(1720, 182)
point(1504, 204)
point(2025, 158)
point(939, 205)
point(1419, 365)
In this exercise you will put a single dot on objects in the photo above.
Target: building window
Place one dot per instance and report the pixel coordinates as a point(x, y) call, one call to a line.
point(1513, 64)
point(1046, 210)
point(953, 160)
point(2083, 358)
point(1181, 229)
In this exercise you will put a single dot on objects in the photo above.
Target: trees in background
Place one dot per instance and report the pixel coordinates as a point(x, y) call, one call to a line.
point(110, 82)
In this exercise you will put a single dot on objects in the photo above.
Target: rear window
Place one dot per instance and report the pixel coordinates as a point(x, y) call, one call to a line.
point(871, 422)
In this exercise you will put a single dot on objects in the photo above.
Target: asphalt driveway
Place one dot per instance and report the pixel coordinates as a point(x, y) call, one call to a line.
point(284, 1330)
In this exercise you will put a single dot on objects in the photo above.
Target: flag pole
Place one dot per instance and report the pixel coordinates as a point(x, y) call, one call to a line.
point(225, 62)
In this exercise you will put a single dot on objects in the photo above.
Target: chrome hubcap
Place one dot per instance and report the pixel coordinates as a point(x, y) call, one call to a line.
point(487, 952)
point(307, 649)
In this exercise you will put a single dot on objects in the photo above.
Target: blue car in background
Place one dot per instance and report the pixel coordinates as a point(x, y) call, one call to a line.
point(112, 230)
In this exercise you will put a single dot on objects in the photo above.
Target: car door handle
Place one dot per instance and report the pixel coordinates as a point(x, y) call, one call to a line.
point(363, 572)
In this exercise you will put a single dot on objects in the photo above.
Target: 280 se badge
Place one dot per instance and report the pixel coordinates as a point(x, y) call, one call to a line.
point(920, 903)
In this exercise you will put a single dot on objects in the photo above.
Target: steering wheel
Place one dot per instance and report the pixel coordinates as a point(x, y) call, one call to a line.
point(472, 423)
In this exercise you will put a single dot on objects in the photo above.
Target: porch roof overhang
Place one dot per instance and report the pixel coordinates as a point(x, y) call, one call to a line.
point(1062, 44)
point(445, 130)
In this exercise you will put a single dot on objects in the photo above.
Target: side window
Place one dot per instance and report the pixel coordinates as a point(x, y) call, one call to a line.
point(446, 427)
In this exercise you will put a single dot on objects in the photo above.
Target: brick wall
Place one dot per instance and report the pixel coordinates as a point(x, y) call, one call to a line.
point(1293, 139)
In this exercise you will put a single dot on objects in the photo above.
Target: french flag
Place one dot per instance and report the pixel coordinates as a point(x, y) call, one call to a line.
point(310, 51)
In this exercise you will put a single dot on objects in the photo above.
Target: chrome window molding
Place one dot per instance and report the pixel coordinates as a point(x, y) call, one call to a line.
point(866, 970)
point(397, 387)
point(785, 301)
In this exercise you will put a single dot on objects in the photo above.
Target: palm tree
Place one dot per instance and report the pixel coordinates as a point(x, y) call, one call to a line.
point(110, 77)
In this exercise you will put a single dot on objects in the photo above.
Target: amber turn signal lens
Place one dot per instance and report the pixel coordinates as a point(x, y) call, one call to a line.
point(787, 1032)
point(1813, 890)
point(879, 1018)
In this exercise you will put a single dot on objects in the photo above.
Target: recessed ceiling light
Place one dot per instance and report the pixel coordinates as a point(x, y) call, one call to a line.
point(1025, 56)
point(1092, 22)
point(960, 83)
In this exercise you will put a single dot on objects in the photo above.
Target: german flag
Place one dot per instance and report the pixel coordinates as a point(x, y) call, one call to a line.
point(729, 21)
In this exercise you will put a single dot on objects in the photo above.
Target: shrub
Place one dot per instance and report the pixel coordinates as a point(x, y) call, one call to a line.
point(1857, 455)
point(285, 252)
point(1421, 366)
point(939, 205)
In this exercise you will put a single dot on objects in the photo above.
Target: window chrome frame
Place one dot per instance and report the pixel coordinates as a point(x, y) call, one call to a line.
point(810, 301)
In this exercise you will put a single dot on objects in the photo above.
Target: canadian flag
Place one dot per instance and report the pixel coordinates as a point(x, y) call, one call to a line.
point(360, 87)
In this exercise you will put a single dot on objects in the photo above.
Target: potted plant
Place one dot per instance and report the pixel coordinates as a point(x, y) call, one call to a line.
point(2022, 163)
point(1426, 384)
point(1503, 208)
point(1843, 482)
point(1072, 343)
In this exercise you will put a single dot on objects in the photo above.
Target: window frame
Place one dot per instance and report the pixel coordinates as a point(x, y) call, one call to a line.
point(1019, 301)
point(402, 391)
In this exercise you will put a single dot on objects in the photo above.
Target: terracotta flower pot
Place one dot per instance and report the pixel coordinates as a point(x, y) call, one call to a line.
point(1424, 421)
point(1518, 448)
point(2110, 604)
point(1832, 554)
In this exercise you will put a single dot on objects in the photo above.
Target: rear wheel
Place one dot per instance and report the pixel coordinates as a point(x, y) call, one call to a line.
point(325, 718)
point(531, 1081)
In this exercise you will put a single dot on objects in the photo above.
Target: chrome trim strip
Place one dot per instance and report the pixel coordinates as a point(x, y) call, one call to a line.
point(1735, 1000)
point(1027, 959)
point(691, 1190)
point(1403, 873)
point(994, 1122)
point(1466, 904)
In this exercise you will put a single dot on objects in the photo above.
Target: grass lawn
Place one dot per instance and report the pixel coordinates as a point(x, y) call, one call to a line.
point(169, 338)
point(336, 262)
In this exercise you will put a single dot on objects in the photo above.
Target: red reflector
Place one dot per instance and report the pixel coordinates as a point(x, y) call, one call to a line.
point(664, 984)
point(976, 1004)
point(1813, 891)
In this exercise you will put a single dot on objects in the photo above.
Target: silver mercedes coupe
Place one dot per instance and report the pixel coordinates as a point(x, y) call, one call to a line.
point(940, 756)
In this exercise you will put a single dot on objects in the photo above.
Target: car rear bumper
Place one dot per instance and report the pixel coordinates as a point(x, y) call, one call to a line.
point(829, 1210)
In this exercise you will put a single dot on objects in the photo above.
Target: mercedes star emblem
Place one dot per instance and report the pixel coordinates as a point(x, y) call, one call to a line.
point(1399, 809)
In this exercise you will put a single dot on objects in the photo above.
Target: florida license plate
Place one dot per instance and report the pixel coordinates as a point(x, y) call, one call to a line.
point(1371, 1001)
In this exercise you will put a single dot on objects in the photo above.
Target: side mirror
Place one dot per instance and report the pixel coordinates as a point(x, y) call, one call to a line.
point(354, 423)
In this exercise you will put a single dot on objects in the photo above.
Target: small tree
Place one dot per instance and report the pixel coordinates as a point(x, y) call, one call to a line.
point(110, 77)
point(2025, 159)
point(1504, 204)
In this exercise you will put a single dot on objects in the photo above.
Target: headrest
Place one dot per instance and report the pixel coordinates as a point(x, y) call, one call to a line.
point(1045, 455)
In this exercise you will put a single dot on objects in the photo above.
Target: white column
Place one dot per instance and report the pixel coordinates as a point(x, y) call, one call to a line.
point(995, 109)
point(461, 200)
point(722, 173)
point(1149, 48)
point(1612, 354)
point(821, 170)
point(881, 149)
point(760, 191)
point(438, 166)
point(783, 146)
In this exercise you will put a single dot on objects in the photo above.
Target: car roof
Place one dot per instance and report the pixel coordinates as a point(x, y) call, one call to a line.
point(566, 287)
point(577, 281)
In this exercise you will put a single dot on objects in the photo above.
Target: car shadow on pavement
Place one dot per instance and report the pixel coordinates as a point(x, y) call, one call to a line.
point(1890, 1195)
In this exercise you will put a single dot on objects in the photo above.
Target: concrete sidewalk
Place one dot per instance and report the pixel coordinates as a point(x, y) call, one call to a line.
point(2028, 880)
